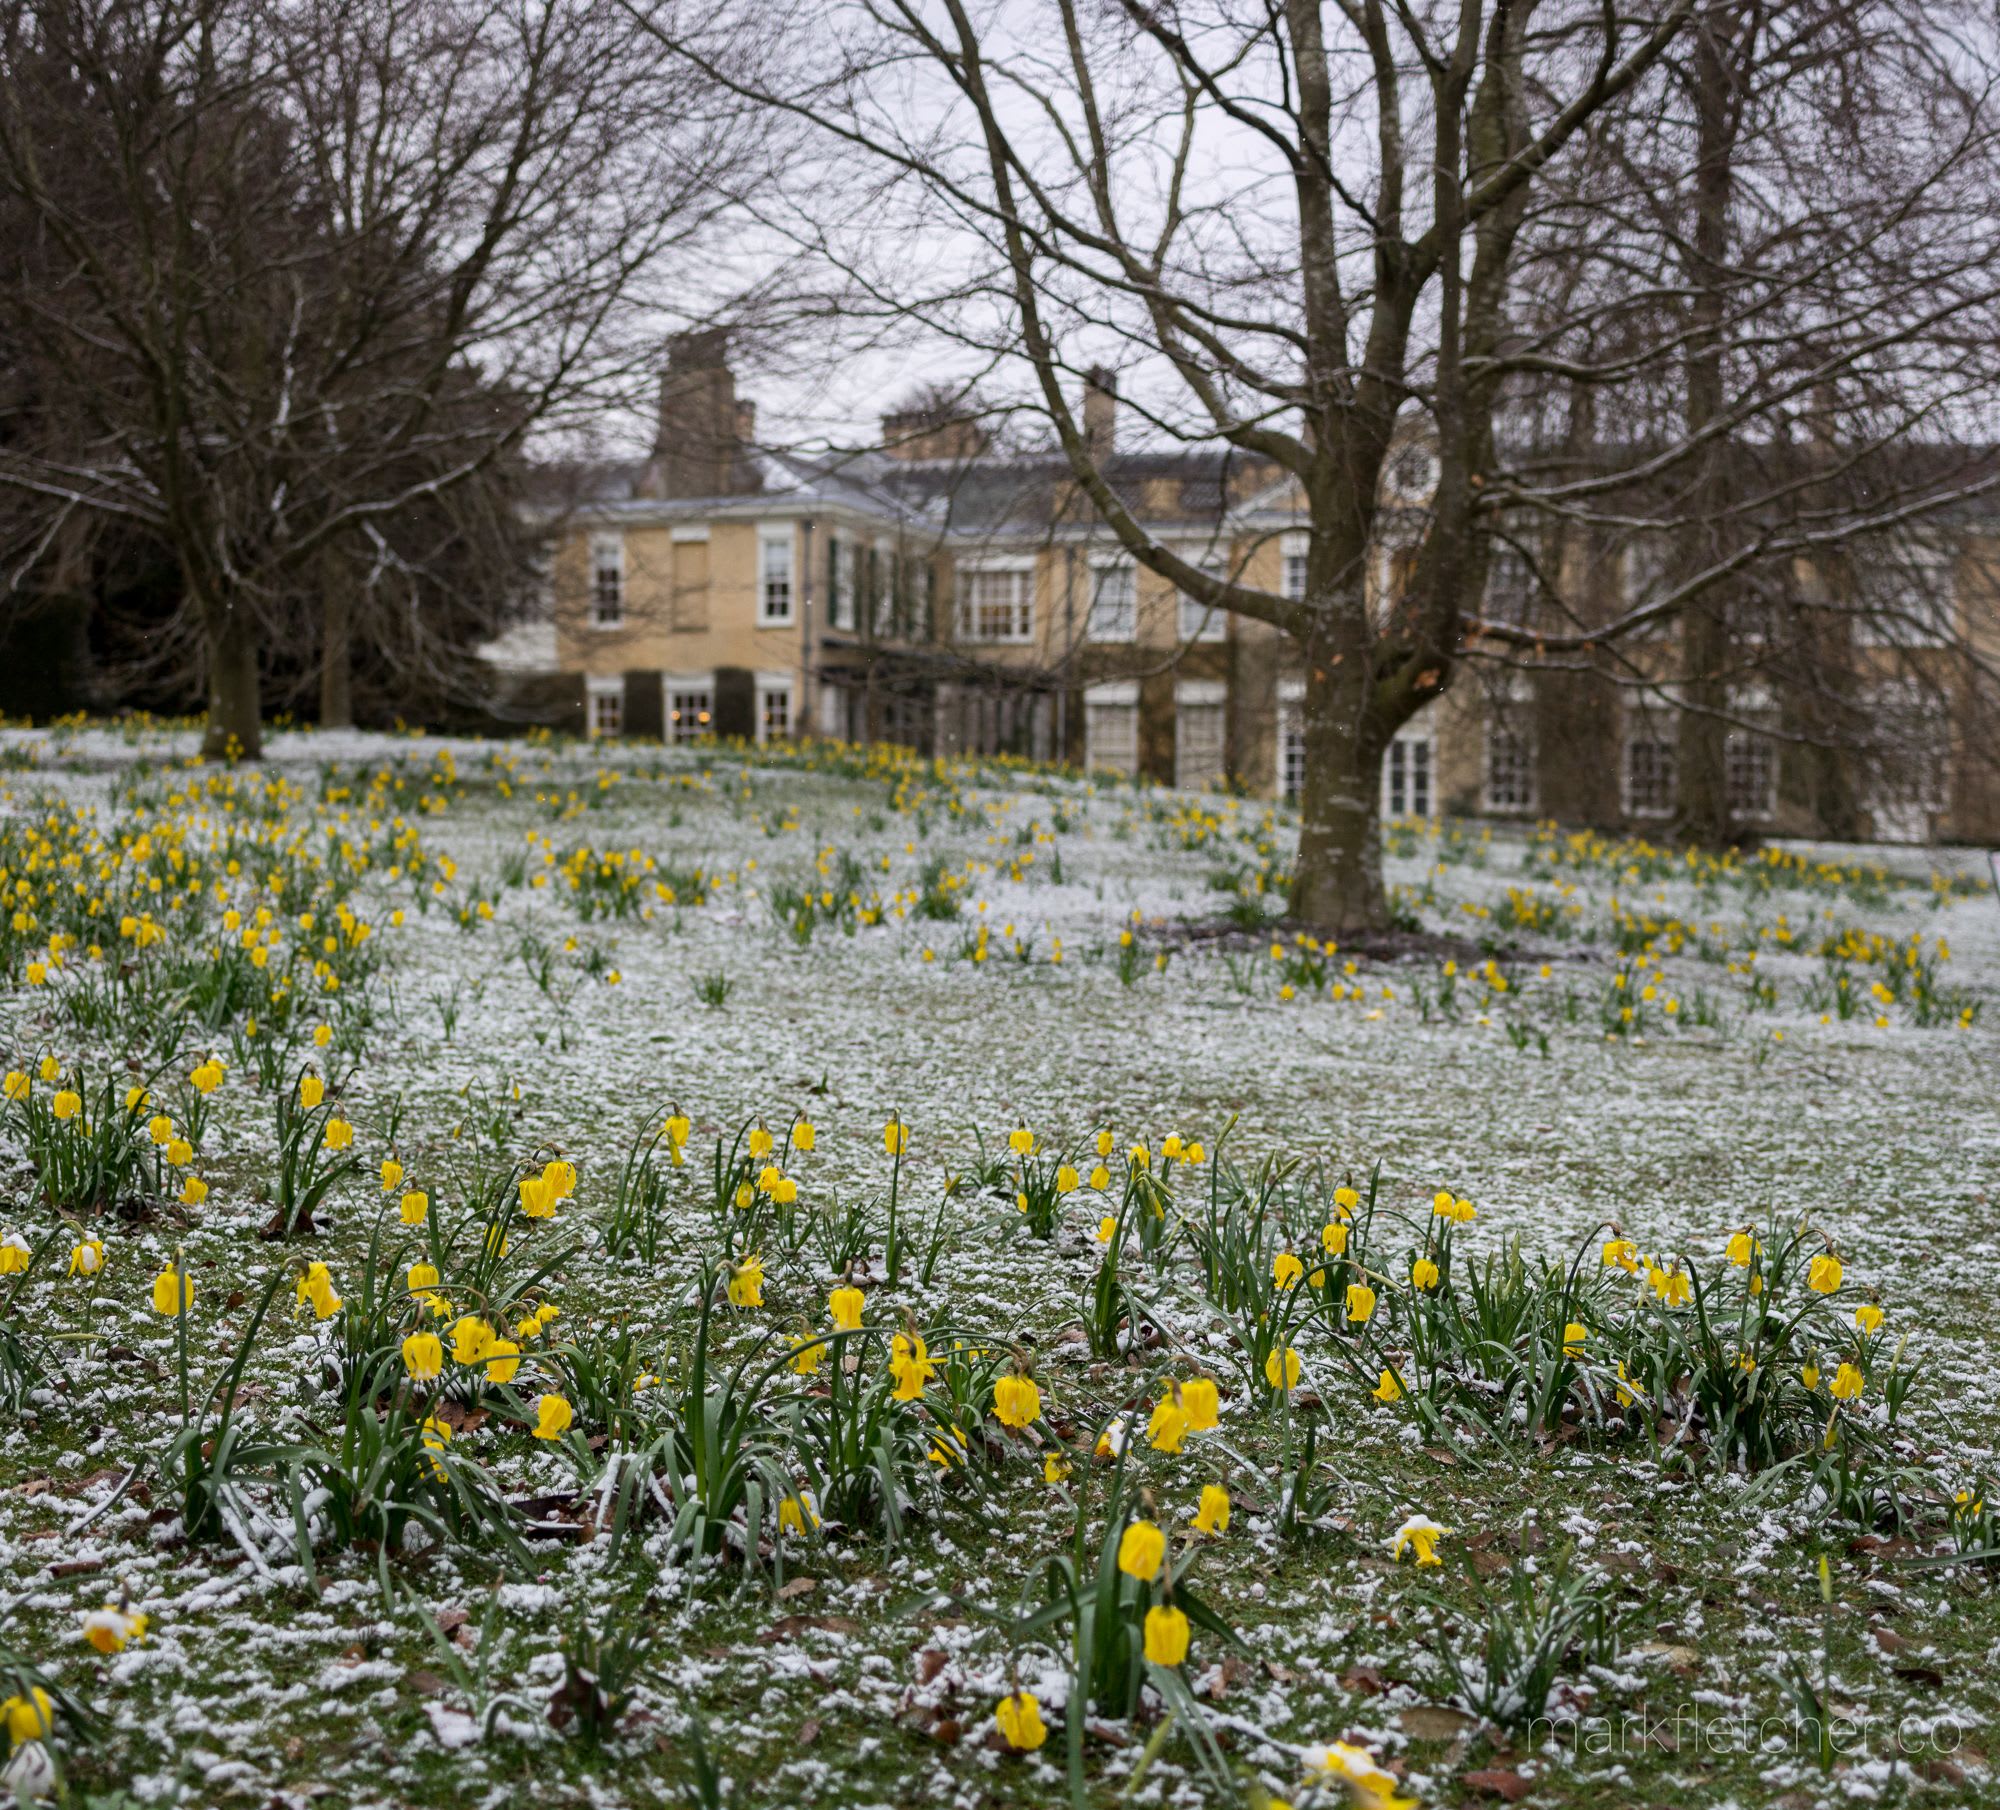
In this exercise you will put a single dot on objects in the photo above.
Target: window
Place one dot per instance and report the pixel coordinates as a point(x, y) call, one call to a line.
point(1406, 777)
point(1510, 764)
point(1111, 728)
point(774, 709)
point(1750, 772)
point(839, 582)
point(605, 701)
point(1114, 603)
point(690, 708)
point(1292, 570)
point(1904, 596)
point(774, 576)
point(883, 612)
point(607, 581)
point(1198, 622)
point(1652, 771)
point(1200, 729)
point(1291, 738)
point(1510, 587)
point(996, 604)
point(1906, 769)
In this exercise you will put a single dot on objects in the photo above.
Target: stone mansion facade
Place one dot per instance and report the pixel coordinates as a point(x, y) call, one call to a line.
point(940, 593)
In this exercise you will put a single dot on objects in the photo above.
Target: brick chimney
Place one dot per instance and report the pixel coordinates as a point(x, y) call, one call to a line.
point(933, 429)
point(699, 451)
point(1100, 411)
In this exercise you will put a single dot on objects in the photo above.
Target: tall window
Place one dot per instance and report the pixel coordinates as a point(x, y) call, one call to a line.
point(1750, 772)
point(1114, 603)
point(1198, 622)
point(1510, 588)
point(883, 612)
point(1292, 573)
point(1652, 771)
point(774, 576)
point(1406, 777)
point(1111, 728)
point(690, 710)
point(607, 581)
point(606, 701)
point(1199, 730)
point(1905, 593)
point(996, 604)
point(1510, 765)
point(774, 710)
point(1291, 740)
point(839, 582)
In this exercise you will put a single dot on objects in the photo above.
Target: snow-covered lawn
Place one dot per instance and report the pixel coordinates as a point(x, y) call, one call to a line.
point(987, 952)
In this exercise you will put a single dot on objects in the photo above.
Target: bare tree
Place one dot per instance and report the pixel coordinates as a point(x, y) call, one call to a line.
point(294, 272)
point(1509, 231)
point(1755, 350)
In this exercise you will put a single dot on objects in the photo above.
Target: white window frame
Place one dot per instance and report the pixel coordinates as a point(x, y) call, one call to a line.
point(1651, 730)
point(841, 610)
point(1291, 738)
point(772, 685)
point(600, 689)
point(607, 560)
point(1293, 549)
point(1409, 774)
point(1020, 608)
point(1101, 626)
point(775, 539)
point(1196, 621)
point(1926, 621)
point(1202, 695)
point(1119, 695)
point(1503, 561)
point(687, 686)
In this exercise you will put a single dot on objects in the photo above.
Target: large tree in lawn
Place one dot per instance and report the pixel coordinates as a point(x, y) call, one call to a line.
point(1294, 225)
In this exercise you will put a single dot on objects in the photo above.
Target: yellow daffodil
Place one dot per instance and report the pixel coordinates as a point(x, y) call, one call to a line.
point(1823, 1274)
point(1281, 1368)
point(67, 1104)
point(471, 1339)
point(1418, 1535)
point(1360, 1303)
point(1369, 1786)
point(896, 1137)
point(553, 1416)
point(423, 1356)
point(29, 1718)
point(1166, 1635)
point(1142, 1548)
point(1868, 1317)
point(910, 1364)
point(1017, 1402)
point(87, 1259)
point(173, 1293)
point(746, 1283)
point(392, 1173)
point(1389, 1388)
point(1847, 1383)
point(312, 1090)
point(1212, 1515)
point(1423, 1274)
point(1168, 1426)
point(1201, 1403)
point(1019, 1718)
point(111, 1629)
point(1574, 1336)
point(15, 1255)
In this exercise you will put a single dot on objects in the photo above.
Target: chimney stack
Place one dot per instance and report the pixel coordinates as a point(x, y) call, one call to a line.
point(699, 451)
point(1100, 411)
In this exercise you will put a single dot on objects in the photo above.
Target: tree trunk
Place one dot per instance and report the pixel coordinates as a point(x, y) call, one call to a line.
point(1337, 886)
point(336, 658)
point(1702, 782)
point(235, 716)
